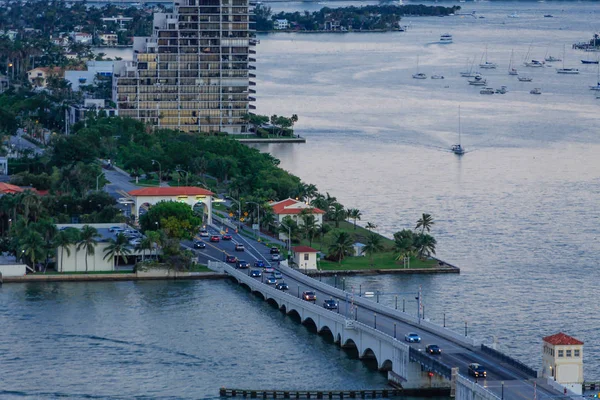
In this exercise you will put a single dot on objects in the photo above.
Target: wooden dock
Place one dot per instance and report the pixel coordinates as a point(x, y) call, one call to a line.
point(331, 394)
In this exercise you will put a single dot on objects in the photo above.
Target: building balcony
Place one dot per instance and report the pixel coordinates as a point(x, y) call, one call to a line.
point(251, 107)
point(251, 67)
point(252, 91)
point(251, 59)
point(251, 98)
point(251, 51)
point(251, 76)
point(252, 83)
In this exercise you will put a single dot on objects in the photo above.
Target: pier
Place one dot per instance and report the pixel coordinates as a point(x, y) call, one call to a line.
point(330, 394)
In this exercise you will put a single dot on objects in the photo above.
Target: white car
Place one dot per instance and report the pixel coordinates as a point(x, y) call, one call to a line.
point(135, 242)
point(412, 338)
point(203, 234)
point(275, 257)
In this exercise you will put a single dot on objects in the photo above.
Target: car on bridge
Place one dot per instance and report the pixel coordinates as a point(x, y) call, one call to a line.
point(433, 349)
point(215, 238)
point(309, 295)
point(477, 370)
point(259, 264)
point(282, 286)
point(268, 270)
point(277, 275)
point(241, 264)
point(239, 247)
point(255, 273)
point(274, 250)
point(231, 259)
point(275, 257)
point(271, 280)
point(330, 304)
point(199, 244)
point(226, 237)
point(412, 338)
point(203, 233)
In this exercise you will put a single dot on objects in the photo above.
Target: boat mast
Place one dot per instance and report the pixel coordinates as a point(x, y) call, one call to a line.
point(459, 125)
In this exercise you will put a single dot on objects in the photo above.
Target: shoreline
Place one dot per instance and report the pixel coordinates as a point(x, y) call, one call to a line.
point(170, 275)
point(272, 140)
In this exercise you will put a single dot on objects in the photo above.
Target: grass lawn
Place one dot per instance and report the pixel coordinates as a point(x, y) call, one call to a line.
point(200, 268)
point(358, 235)
point(380, 261)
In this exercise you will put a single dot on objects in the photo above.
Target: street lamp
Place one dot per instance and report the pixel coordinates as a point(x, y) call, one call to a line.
point(502, 390)
point(258, 206)
point(159, 171)
point(187, 173)
point(289, 237)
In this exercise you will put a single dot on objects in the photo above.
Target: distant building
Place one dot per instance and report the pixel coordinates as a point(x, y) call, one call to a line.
point(38, 76)
point(9, 33)
point(305, 257)
point(109, 39)
point(292, 208)
point(562, 361)
point(281, 24)
point(80, 112)
point(358, 249)
point(81, 37)
point(89, 76)
point(119, 20)
point(332, 25)
point(190, 195)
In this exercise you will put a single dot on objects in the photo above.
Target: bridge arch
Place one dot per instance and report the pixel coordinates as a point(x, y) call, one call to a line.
point(294, 315)
point(310, 324)
point(350, 348)
point(283, 308)
point(273, 302)
point(327, 334)
point(370, 359)
point(387, 365)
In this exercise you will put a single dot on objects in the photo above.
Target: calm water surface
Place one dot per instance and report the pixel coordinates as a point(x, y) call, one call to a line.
point(518, 213)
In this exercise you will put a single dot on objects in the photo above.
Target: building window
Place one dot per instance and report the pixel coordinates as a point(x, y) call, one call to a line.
point(568, 353)
point(576, 353)
point(306, 257)
point(561, 353)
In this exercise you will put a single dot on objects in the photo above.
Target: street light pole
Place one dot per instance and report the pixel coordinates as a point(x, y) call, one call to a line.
point(258, 206)
point(97, 182)
point(159, 171)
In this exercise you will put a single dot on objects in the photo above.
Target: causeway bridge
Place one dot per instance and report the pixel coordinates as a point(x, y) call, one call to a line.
point(377, 333)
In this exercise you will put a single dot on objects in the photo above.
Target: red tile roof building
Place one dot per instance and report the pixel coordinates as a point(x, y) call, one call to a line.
point(293, 207)
point(304, 249)
point(171, 191)
point(189, 195)
point(561, 339)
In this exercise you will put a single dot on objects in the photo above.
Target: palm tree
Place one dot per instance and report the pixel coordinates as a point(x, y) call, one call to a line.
point(425, 222)
point(373, 245)
point(310, 228)
point(32, 246)
point(63, 240)
point(156, 240)
point(88, 242)
point(117, 247)
point(425, 245)
point(341, 246)
point(145, 244)
point(337, 213)
point(322, 231)
point(371, 226)
point(355, 214)
point(404, 243)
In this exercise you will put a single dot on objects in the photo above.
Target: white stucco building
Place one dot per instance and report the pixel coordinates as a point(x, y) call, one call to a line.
point(292, 208)
point(305, 257)
point(280, 24)
point(189, 195)
point(562, 360)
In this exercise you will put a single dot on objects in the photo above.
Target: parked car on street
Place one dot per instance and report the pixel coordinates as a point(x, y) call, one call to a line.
point(433, 349)
point(309, 295)
point(412, 338)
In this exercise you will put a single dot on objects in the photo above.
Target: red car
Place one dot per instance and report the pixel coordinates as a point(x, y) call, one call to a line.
point(309, 295)
point(226, 237)
point(231, 259)
point(215, 238)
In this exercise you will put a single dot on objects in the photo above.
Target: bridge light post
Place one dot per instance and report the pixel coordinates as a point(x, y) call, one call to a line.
point(356, 313)
point(466, 328)
point(378, 296)
point(502, 390)
point(396, 302)
point(394, 330)
point(359, 289)
point(444, 320)
point(298, 290)
point(344, 284)
point(335, 284)
point(375, 320)
point(404, 305)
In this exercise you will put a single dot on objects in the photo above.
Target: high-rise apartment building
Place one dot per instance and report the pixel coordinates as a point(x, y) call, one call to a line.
point(193, 73)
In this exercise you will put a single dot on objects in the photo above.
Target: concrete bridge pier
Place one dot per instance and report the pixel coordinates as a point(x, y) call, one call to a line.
point(418, 377)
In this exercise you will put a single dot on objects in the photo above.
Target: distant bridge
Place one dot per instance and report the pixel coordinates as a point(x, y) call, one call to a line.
point(373, 329)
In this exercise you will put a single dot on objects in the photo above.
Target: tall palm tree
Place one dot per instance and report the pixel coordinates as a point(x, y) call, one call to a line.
point(117, 247)
point(155, 238)
point(337, 213)
point(374, 245)
point(88, 241)
point(309, 226)
point(355, 214)
point(425, 245)
point(63, 240)
point(341, 246)
point(323, 230)
point(145, 244)
point(371, 226)
point(404, 243)
point(425, 223)
point(32, 246)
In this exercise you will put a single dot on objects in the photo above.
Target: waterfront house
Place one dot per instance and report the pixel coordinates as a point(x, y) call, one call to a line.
point(281, 24)
point(305, 257)
point(38, 76)
point(109, 39)
point(82, 37)
point(562, 361)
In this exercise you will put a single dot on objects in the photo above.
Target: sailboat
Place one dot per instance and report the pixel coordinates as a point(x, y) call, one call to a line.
point(511, 69)
point(487, 64)
point(457, 148)
point(469, 72)
point(563, 70)
point(419, 75)
point(532, 63)
point(597, 87)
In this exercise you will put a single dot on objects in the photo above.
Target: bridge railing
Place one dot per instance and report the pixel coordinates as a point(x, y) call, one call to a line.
point(381, 309)
point(509, 360)
point(469, 390)
point(429, 363)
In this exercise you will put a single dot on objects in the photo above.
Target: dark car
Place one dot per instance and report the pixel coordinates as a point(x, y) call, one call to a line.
point(330, 304)
point(239, 247)
point(309, 295)
point(198, 244)
point(215, 238)
point(271, 280)
point(259, 264)
point(274, 250)
point(282, 286)
point(226, 237)
point(231, 259)
point(477, 370)
point(241, 264)
point(433, 349)
point(255, 273)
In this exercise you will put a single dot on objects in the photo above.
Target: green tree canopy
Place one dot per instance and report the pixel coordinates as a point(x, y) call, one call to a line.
point(176, 219)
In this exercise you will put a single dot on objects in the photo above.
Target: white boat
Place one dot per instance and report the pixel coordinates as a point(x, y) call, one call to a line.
point(502, 90)
point(486, 64)
point(567, 71)
point(419, 75)
point(437, 76)
point(534, 64)
point(457, 148)
point(511, 69)
point(552, 59)
point(525, 79)
point(536, 91)
point(487, 90)
point(513, 15)
point(446, 38)
point(478, 81)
